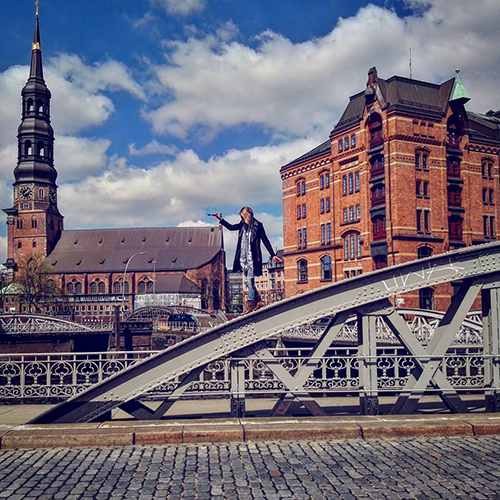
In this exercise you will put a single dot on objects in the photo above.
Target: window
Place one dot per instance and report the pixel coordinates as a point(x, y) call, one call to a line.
point(454, 196)
point(351, 213)
point(346, 143)
point(346, 216)
point(302, 271)
point(117, 288)
point(299, 239)
point(485, 196)
point(421, 160)
point(322, 206)
point(19, 244)
point(33, 223)
point(322, 182)
point(298, 188)
point(378, 194)
point(453, 167)
point(303, 187)
point(378, 165)
point(344, 185)
point(356, 182)
point(455, 227)
point(328, 233)
point(426, 189)
point(352, 246)
point(78, 288)
point(489, 226)
point(380, 262)
point(358, 212)
point(41, 193)
point(19, 223)
point(341, 145)
point(323, 234)
point(419, 221)
point(379, 227)
point(304, 211)
point(426, 298)
point(328, 205)
point(351, 183)
point(299, 212)
point(70, 288)
point(93, 287)
point(327, 180)
point(423, 221)
point(28, 149)
point(304, 237)
point(424, 252)
point(101, 287)
point(375, 128)
point(419, 189)
point(353, 141)
point(326, 268)
point(425, 165)
point(491, 197)
point(427, 226)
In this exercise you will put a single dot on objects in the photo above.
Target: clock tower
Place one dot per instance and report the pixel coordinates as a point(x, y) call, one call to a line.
point(34, 222)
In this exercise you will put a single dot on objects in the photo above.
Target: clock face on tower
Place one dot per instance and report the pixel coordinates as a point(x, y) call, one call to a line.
point(53, 195)
point(25, 192)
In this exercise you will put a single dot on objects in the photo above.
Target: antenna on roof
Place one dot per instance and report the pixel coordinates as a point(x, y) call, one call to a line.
point(411, 75)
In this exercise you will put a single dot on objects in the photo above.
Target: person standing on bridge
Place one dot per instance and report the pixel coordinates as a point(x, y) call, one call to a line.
point(248, 255)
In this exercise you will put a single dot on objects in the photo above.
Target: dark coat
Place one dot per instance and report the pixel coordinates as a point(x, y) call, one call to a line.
point(258, 236)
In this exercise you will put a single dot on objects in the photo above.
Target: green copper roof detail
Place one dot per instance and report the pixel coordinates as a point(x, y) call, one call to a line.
point(459, 93)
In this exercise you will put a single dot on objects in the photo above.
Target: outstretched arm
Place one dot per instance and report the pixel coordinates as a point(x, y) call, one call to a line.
point(268, 245)
point(231, 227)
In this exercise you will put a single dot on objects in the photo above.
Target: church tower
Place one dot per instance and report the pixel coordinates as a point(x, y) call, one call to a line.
point(34, 222)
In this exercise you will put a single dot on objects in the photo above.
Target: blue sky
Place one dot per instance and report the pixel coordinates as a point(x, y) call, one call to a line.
point(164, 108)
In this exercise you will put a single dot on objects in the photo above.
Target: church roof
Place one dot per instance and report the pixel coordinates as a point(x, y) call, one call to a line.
point(175, 283)
point(107, 250)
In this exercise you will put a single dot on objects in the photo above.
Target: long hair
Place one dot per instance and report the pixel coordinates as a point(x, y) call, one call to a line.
point(246, 213)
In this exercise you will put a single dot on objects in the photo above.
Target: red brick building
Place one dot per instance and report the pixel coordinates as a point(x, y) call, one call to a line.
point(406, 173)
point(88, 265)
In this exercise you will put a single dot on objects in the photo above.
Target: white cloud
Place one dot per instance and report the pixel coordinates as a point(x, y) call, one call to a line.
point(3, 251)
point(78, 157)
point(298, 88)
point(180, 7)
point(152, 148)
point(179, 189)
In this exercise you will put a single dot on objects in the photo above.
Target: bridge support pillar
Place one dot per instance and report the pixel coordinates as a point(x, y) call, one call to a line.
point(491, 341)
point(238, 389)
point(367, 352)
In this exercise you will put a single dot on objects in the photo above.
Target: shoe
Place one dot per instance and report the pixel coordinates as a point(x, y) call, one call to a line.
point(249, 306)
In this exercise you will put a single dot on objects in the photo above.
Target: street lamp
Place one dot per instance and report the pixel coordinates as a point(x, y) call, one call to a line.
point(124, 273)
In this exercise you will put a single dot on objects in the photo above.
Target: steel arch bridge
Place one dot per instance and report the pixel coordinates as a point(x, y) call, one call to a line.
point(39, 323)
point(158, 312)
point(367, 296)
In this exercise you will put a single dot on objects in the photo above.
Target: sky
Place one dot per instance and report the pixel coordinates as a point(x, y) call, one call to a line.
point(166, 109)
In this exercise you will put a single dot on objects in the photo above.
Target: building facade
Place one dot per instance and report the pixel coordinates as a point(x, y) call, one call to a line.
point(96, 270)
point(271, 285)
point(406, 173)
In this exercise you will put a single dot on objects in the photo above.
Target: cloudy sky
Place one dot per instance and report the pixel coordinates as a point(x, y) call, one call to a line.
point(164, 109)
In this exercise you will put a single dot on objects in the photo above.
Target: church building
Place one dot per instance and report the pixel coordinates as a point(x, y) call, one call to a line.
point(97, 269)
point(406, 173)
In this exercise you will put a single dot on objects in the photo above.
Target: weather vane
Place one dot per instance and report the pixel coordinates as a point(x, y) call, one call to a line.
point(36, 3)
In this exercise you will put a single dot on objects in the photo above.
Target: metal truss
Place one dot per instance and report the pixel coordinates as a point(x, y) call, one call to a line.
point(159, 312)
point(366, 295)
point(32, 324)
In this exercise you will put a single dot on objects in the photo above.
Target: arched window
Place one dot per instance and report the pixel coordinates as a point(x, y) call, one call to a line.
point(30, 105)
point(28, 149)
point(453, 132)
point(101, 287)
point(40, 148)
point(422, 159)
point(326, 268)
point(424, 252)
point(41, 193)
point(375, 128)
point(455, 227)
point(352, 246)
point(426, 298)
point(34, 223)
point(39, 107)
point(19, 223)
point(454, 196)
point(302, 276)
point(487, 168)
point(145, 286)
point(33, 244)
point(78, 288)
point(19, 244)
point(117, 287)
point(93, 287)
point(70, 288)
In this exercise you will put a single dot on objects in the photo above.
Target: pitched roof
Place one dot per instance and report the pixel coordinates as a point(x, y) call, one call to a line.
point(323, 148)
point(107, 250)
point(484, 128)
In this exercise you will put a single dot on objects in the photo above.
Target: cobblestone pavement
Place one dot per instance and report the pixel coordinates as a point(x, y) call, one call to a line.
point(406, 468)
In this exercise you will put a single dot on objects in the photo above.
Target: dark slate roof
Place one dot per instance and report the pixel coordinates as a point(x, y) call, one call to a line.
point(484, 128)
point(107, 250)
point(317, 151)
point(403, 94)
point(175, 283)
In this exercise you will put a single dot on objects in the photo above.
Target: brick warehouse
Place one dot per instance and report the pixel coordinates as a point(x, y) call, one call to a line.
point(88, 266)
point(406, 173)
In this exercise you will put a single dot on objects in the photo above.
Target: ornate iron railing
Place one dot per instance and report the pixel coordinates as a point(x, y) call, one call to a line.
point(56, 377)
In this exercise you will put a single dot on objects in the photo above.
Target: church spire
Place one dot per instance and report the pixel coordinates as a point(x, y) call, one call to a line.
point(36, 69)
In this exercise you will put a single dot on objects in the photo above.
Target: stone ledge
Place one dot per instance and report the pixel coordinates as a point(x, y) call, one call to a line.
point(53, 438)
point(214, 434)
point(416, 428)
point(158, 435)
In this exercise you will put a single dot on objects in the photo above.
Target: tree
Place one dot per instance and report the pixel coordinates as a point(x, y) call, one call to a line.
point(3, 287)
point(36, 285)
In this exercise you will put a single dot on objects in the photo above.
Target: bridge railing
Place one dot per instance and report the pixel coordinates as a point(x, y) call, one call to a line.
point(57, 377)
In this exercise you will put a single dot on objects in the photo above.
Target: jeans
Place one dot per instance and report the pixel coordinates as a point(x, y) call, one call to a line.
point(250, 284)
